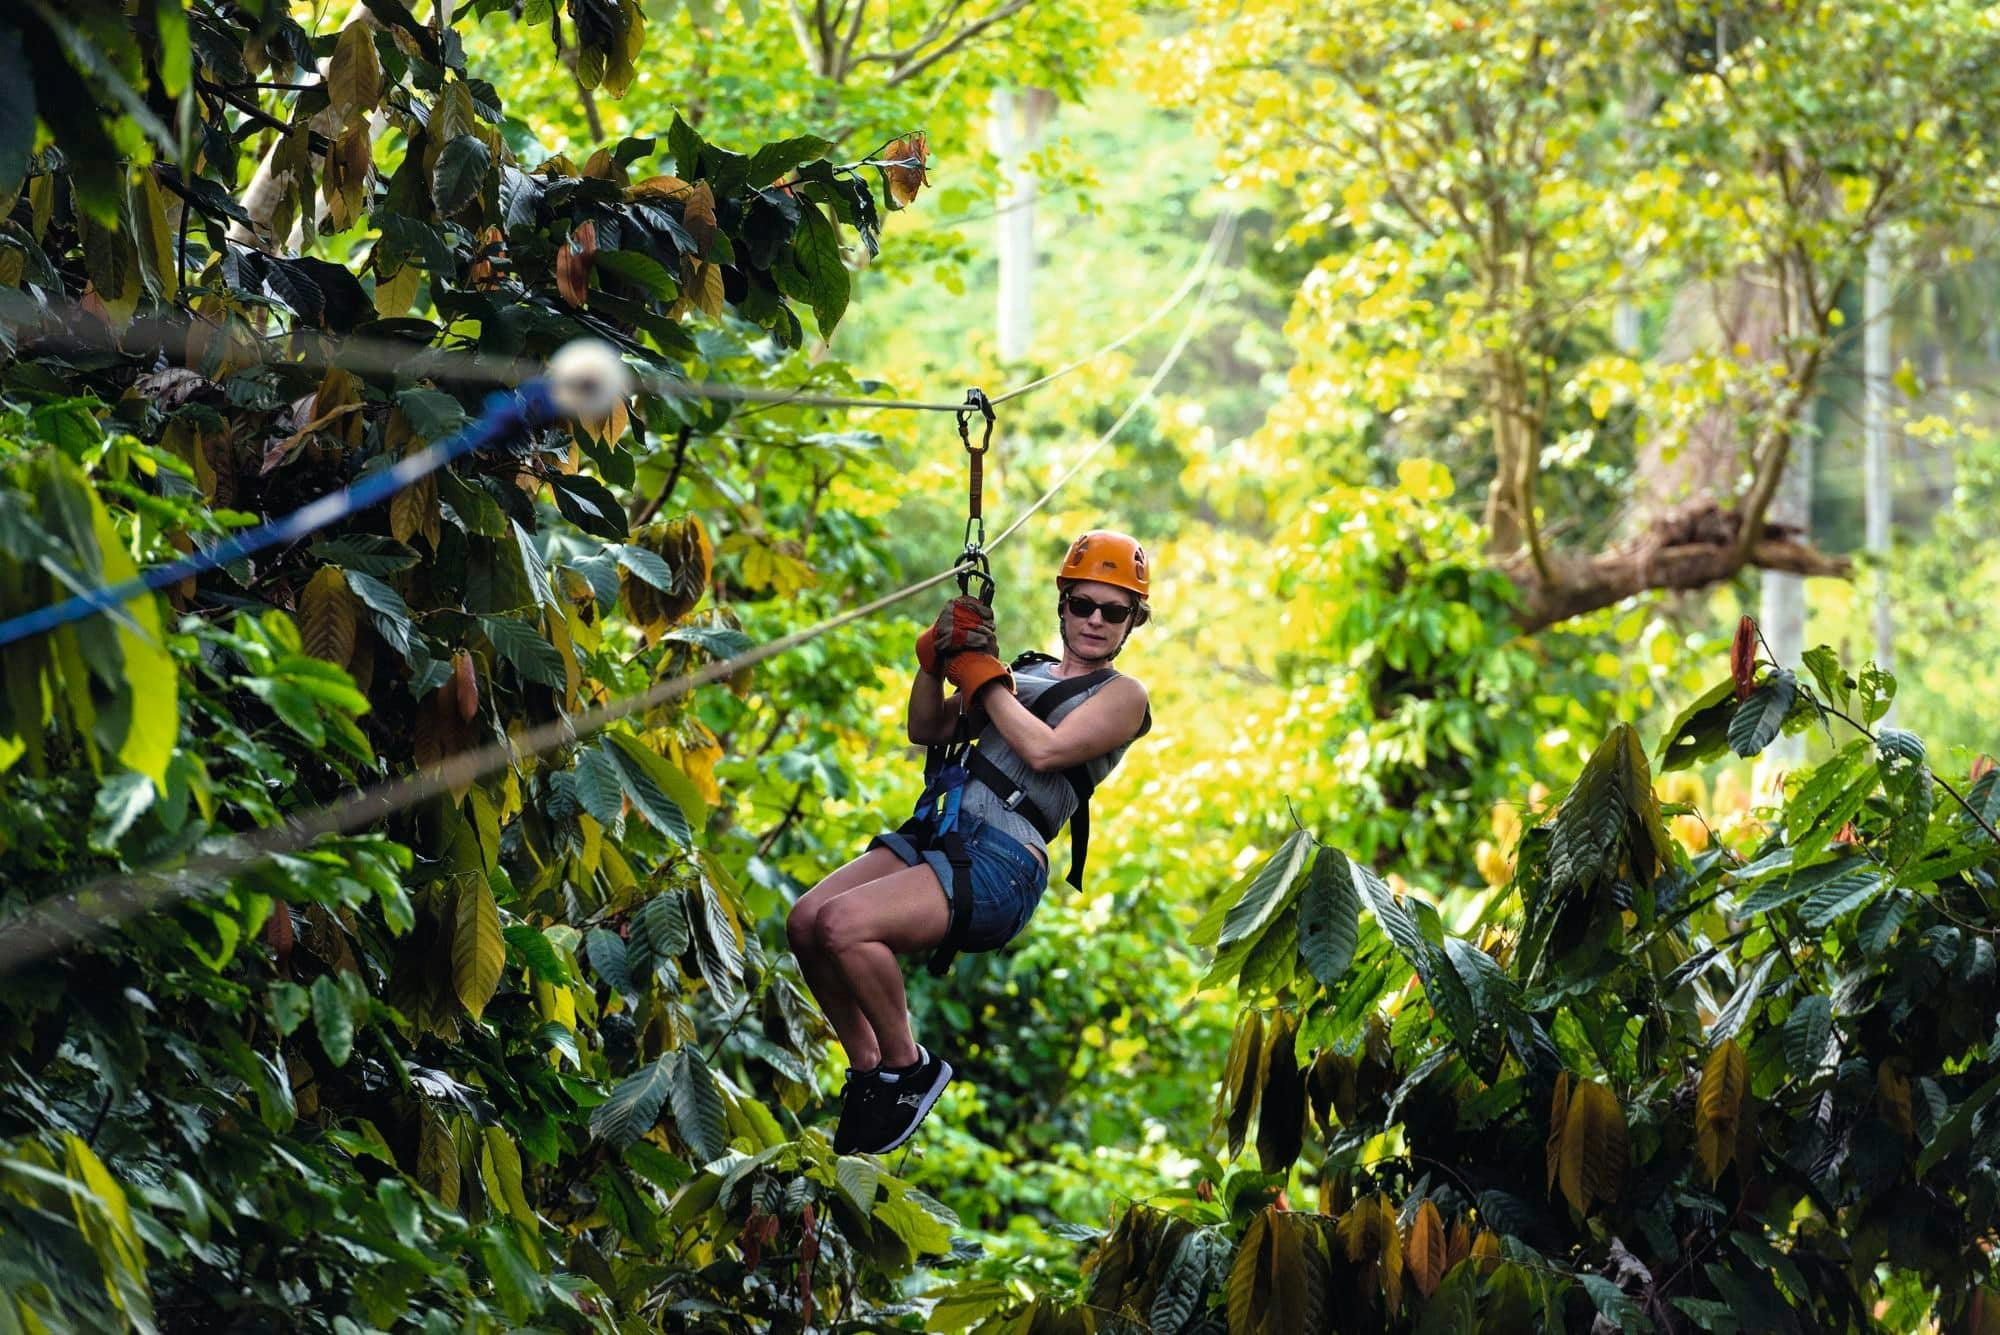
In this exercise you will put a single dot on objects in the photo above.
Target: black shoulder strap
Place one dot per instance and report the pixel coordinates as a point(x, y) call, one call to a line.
point(1032, 658)
point(1067, 689)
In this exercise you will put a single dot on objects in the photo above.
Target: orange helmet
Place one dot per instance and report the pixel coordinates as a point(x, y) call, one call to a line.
point(1107, 558)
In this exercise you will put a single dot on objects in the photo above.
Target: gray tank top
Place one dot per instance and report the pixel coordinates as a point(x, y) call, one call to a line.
point(1051, 792)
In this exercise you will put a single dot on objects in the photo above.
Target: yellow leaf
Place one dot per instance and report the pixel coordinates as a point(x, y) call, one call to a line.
point(1427, 1249)
point(152, 237)
point(354, 74)
point(478, 951)
point(1906, 379)
point(1718, 1103)
point(326, 617)
point(106, 1221)
point(1892, 1098)
point(707, 291)
point(1600, 401)
point(1558, 1117)
point(1593, 1147)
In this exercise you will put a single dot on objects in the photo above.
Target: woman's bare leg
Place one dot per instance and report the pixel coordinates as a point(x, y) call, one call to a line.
point(829, 987)
point(862, 931)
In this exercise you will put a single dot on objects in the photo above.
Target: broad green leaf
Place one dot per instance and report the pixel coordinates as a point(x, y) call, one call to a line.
point(1955, 1132)
point(857, 1179)
point(461, 173)
point(333, 1019)
point(1841, 896)
point(1808, 1030)
point(772, 161)
point(1876, 927)
point(816, 255)
point(1701, 731)
point(1329, 917)
point(523, 646)
point(1825, 784)
point(539, 954)
point(635, 1102)
point(699, 1114)
point(478, 951)
point(1835, 685)
point(1759, 718)
point(640, 270)
point(606, 950)
point(1742, 1001)
point(600, 787)
point(1267, 891)
point(500, 1166)
point(105, 1218)
point(667, 798)
point(1878, 692)
point(391, 613)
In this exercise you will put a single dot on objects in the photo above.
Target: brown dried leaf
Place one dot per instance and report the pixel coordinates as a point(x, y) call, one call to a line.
point(659, 187)
point(1743, 656)
point(1428, 1255)
point(483, 274)
point(910, 175)
point(573, 264)
point(698, 217)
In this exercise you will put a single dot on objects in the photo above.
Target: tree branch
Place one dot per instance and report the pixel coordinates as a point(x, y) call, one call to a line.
point(904, 73)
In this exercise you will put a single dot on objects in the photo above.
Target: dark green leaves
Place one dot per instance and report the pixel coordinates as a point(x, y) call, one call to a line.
point(523, 646)
point(699, 1114)
point(772, 161)
point(461, 171)
point(650, 780)
point(634, 1106)
point(387, 609)
point(823, 279)
point(1808, 1030)
point(1329, 917)
point(1267, 890)
point(17, 110)
point(1760, 717)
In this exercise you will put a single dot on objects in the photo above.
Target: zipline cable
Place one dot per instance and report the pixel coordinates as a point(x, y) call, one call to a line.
point(535, 404)
point(54, 925)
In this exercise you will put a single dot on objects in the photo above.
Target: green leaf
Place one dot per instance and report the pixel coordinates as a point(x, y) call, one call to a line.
point(1759, 718)
point(366, 552)
point(1267, 891)
point(588, 504)
point(522, 645)
point(1826, 783)
point(478, 951)
point(1742, 1001)
point(1841, 896)
point(1876, 927)
point(662, 923)
point(538, 954)
point(606, 950)
point(667, 798)
point(1775, 894)
point(461, 172)
point(1700, 732)
point(124, 798)
point(17, 108)
point(640, 270)
point(390, 613)
point(290, 1004)
point(646, 565)
point(1956, 1131)
point(633, 1107)
point(599, 787)
point(1835, 685)
point(856, 1177)
point(816, 255)
point(333, 1019)
point(772, 161)
point(699, 1113)
point(1878, 692)
point(1329, 917)
point(1808, 1030)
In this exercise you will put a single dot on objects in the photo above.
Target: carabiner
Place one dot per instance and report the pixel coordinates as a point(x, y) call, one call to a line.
point(976, 401)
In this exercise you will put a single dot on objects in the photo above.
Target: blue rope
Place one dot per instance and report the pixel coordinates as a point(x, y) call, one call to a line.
point(505, 412)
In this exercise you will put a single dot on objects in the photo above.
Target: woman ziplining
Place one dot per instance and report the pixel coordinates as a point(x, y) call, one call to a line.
point(1013, 757)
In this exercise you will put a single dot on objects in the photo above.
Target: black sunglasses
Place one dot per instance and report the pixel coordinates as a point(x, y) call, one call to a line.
point(1080, 607)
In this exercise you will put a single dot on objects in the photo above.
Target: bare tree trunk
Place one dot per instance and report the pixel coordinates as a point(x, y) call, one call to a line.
point(1018, 119)
point(1878, 493)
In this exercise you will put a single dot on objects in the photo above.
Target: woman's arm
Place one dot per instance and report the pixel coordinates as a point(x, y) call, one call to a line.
point(933, 720)
point(1103, 723)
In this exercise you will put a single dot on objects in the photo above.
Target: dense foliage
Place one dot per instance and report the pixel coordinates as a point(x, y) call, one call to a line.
point(1707, 1087)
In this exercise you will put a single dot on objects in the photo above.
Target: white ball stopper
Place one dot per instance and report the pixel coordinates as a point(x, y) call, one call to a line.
point(588, 378)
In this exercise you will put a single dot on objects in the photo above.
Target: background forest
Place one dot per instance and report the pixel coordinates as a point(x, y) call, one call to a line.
point(1558, 891)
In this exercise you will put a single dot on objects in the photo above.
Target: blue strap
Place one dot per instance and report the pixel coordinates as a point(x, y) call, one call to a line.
point(504, 413)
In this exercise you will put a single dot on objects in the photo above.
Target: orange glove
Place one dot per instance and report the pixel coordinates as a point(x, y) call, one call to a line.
point(965, 624)
point(973, 672)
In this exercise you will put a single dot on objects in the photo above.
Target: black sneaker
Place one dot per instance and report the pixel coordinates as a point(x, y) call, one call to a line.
point(900, 1101)
point(854, 1117)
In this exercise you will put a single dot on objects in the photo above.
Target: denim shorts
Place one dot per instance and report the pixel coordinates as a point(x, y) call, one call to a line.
point(1007, 880)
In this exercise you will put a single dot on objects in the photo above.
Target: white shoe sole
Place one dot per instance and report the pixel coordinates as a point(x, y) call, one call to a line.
point(924, 1104)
